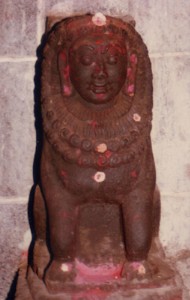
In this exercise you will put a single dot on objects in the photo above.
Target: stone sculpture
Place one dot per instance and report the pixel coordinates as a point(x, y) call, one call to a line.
point(96, 111)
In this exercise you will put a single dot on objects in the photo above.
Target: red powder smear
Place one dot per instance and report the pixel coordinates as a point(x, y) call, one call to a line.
point(101, 160)
point(108, 154)
point(99, 42)
point(131, 88)
point(93, 123)
point(63, 56)
point(129, 71)
point(134, 174)
point(99, 274)
point(133, 59)
point(63, 173)
point(66, 71)
point(24, 255)
point(100, 96)
point(67, 90)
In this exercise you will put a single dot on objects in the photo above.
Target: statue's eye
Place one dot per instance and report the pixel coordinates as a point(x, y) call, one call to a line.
point(112, 59)
point(86, 60)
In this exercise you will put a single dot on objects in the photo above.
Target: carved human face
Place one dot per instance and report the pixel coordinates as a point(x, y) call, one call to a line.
point(98, 67)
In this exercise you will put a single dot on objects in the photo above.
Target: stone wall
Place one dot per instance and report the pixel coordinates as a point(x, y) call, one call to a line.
point(165, 28)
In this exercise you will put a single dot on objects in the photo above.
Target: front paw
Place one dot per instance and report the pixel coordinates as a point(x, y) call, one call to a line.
point(139, 270)
point(41, 257)
point(58, 274)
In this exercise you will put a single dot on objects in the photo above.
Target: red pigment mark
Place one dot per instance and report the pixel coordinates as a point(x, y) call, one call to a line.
point(131, 89)
point(24, 255)
point(93, 123)
point(67, 90)
point(63, 56)
point(100, 96)
point(134, 174)
point(99, 274)
point(99, 42)
point(63, 173)
point(108, 154)
point(101, 160)
point(129, 72)
point(66, 71)
point(133, 59)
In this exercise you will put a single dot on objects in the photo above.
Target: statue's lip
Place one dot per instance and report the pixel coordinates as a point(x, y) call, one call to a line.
point(99, 88)
point(98, 84)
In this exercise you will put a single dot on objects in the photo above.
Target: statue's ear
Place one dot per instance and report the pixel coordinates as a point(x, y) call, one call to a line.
point(129, 86)
point(64, 72)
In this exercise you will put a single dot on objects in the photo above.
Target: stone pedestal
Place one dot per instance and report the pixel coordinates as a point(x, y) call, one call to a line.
point(99, 261)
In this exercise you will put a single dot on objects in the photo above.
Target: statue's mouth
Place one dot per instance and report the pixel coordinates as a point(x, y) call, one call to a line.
point(99, 88)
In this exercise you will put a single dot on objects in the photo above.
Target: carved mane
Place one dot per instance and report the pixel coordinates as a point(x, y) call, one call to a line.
point(69, 125)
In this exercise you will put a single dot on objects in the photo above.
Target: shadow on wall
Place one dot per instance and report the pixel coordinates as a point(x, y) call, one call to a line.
point(36, 164)
point(11, 293)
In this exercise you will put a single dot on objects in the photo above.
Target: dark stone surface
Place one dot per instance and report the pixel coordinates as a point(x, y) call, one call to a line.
point(99, 279)
point(168, 291)
point(96, 99)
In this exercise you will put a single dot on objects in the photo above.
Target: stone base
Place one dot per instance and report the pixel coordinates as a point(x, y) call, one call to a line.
point(98, 265)
point(34, 289)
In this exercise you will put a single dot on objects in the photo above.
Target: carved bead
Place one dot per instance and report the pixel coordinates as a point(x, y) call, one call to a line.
point(84, 161)
point(49, 114)
point(134, 134)
point(115, 160)
point(56, 124)
point(75, 140)
point(64, 133)
point(132, 155)
point(86, 145)
point(56, 146)
point(125, 142)
point(70, 156)
point(113, 146)
point(125, 158)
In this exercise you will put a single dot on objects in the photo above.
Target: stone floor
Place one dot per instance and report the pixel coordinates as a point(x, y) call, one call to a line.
point(183, 267)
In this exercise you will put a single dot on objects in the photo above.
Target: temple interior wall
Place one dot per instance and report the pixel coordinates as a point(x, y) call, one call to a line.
point(165, 28)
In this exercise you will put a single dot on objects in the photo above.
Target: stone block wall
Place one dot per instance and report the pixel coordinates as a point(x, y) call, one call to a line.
point(165, 28)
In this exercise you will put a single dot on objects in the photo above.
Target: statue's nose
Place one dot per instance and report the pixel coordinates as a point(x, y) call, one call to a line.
point(100, 71)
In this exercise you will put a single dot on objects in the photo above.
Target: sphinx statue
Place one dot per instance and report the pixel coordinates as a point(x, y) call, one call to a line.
point(97, 111)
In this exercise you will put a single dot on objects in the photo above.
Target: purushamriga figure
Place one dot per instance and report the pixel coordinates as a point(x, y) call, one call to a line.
point(96, 109)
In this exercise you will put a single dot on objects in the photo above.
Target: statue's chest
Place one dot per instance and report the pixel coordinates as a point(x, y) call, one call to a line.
point(102, 154)
point(107, 180)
